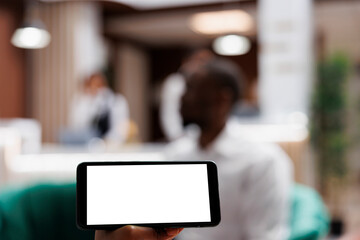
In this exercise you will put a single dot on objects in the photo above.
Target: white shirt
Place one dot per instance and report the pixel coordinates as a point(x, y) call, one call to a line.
point(85, 108)
point(254, 186)
point(171, 93)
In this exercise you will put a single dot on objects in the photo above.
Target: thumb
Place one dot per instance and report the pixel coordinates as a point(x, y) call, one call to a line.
point(172, 232)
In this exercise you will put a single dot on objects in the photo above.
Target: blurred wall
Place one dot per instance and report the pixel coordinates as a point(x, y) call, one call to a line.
point(132, 77)
point(12, 64)
point(338, 23)
point(285, 59)
point(57, 70)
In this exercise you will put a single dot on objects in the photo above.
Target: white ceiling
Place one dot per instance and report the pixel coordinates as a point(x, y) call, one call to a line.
point(158, 4)
point(164, 28)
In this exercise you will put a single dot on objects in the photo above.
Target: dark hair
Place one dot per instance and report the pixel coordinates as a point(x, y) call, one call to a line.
point(226, 75)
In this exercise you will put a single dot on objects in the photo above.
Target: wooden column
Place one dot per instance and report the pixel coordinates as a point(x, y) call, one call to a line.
point(58, 69)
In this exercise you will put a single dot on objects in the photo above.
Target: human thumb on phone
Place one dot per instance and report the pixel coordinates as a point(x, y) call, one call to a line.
point(172, 232)
point(137, 233)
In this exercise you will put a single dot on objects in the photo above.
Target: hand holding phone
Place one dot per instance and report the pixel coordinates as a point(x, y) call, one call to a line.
point(135, 233)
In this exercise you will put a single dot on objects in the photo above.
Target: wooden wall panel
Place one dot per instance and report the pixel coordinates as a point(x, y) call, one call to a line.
point(56, 69)
point(12, 67)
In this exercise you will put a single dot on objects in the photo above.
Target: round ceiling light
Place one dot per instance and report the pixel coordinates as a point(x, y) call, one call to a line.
point(30, 38)
point(231, 45)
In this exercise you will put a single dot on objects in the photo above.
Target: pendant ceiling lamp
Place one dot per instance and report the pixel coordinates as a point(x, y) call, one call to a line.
point(231, 45)
point(221, 22)
point(227, 27)
point(32, 34)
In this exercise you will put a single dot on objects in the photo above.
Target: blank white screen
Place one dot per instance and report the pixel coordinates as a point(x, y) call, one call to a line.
point(134, 194)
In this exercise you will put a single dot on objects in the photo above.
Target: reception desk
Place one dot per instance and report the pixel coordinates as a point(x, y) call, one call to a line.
point(58, 163)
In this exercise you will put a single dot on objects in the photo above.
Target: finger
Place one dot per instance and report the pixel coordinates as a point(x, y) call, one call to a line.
point(142, 233)
point(145, 233)
point(136, 233)
point(101, 235)
point(172, 232)
point(132, 233)
point(126, 233)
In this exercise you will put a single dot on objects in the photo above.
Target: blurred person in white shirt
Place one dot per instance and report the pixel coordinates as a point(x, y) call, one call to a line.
point(97, 112)
point(254, 179)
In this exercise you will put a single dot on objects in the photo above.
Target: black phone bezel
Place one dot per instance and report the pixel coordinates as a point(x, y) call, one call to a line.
point(81, 196)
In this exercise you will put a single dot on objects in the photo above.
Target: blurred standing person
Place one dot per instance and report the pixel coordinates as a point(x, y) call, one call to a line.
point(97, 113)
point(254, 179)
point(172, 90)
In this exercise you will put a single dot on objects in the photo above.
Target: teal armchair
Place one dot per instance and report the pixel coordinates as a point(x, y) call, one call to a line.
point(309, 219)
point(41, 212)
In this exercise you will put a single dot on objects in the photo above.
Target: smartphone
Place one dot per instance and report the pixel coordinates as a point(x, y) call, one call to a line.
point(154, 194)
